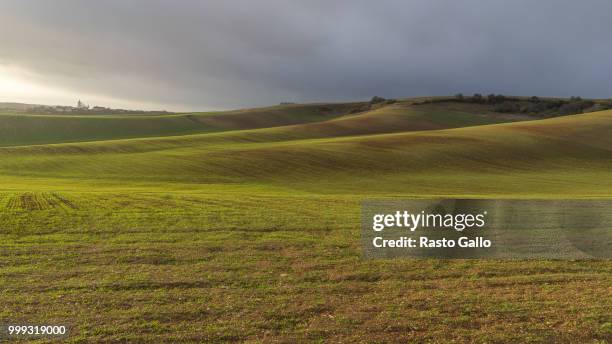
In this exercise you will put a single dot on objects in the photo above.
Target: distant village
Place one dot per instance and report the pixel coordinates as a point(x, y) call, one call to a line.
point(82, 108)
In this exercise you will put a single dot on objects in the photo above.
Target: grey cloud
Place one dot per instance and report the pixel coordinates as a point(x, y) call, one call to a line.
point(228, 54)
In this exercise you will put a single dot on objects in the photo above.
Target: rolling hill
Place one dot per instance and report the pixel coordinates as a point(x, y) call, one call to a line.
point(323, 120)
point(27, 129)
point(243, 226)
point(391, 145)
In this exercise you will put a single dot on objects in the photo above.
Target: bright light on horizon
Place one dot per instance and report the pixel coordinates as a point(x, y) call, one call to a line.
point(15, 87)
point(18, 85)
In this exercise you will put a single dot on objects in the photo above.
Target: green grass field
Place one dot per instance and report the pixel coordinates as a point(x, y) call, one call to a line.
point(244, 225)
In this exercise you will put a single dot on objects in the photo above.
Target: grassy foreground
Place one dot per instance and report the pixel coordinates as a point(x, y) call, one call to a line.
point(252, 234)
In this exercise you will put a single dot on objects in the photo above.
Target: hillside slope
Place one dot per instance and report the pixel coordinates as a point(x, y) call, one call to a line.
point(546, 154)
point(253, 235)
point(291, 121)
point(29, 129)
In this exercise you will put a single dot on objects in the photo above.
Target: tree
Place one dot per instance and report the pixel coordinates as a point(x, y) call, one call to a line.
point(377, 99)
point(508, 107)
point(569, 109)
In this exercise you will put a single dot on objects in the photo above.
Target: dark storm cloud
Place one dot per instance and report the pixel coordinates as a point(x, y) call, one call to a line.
point(212, 54)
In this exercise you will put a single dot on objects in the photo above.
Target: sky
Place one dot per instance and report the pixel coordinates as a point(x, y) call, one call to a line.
point(206, 55)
